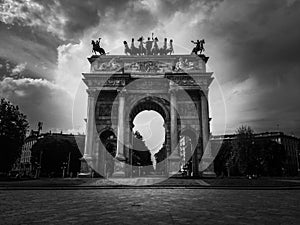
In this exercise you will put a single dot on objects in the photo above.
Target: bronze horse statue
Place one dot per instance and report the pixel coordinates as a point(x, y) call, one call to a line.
point(170, 49)
point(134, 50)
point(149, 50)
point(97, 48)
point(142, 49)
point(127, 49)
point(155, 49)
point(199, 46)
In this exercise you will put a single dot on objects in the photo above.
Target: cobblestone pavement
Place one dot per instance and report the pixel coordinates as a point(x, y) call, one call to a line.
point(150, 206)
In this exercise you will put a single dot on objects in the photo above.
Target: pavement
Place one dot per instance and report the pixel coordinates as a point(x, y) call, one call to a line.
point(150, 206)
point(147, 200)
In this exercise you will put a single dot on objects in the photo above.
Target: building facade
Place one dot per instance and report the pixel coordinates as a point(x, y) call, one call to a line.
point(25, 160)
point(290, 144)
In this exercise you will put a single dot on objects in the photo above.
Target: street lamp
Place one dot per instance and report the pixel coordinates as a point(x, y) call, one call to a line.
point(64, 166)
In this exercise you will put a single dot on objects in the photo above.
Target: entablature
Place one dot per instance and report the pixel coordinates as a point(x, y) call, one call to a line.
point(150, 64)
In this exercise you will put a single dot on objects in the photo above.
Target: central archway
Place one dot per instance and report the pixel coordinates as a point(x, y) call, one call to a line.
point(159, 107)
point(149, 138)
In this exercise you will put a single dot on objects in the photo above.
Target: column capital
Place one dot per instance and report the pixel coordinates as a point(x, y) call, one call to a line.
point(121, 91)
point(92, 93)
point(173, 86)
point(204, 92)
point(173, 90)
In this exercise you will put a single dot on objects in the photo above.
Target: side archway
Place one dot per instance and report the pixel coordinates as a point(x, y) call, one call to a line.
point(108, 148)
point(188, 146)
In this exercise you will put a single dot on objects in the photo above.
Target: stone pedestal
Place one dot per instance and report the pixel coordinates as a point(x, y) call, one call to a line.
point(119, 169)
point(207, 166)
point(209, 172)
point(85, 169)
point(174, 165)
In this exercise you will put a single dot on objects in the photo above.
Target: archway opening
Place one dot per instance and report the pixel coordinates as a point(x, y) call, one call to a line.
point(149, 126)
point(109, 142)
point(187, 146)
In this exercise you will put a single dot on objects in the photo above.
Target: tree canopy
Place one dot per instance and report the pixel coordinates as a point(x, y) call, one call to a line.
point(13, 128)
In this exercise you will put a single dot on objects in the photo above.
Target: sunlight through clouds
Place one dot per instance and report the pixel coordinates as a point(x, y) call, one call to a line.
point(52, 40)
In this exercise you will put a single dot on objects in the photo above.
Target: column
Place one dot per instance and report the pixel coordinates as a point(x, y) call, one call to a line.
point(98, 158)
point(174, 158)
point(207, 158)
point(90, 128)
point(119, 164)
point(120, 141)
point(205, 118)
point(174, 132)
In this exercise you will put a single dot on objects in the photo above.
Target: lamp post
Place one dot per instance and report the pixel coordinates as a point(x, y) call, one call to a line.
point(39, 165)
point(68, 167)
point(64, 166)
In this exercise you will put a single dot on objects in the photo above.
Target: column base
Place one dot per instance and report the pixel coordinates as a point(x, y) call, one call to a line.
point(173, 165)
point(209, 174)
point(119, 169)
point(120, 157)
point(85, 169)
point(209, 171)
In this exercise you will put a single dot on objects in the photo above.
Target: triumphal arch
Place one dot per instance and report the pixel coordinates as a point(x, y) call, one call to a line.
point(121, 86)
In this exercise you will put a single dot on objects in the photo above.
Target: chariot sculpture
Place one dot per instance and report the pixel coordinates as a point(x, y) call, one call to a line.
point(149, 47)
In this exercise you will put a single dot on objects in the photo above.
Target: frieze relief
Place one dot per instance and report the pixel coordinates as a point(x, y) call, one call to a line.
point(113, 65)
point(152, 66)
point(187, 65)
point(111, 82)
point(148, 67)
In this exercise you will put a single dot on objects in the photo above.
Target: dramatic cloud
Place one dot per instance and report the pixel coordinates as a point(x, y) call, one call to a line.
point(30, 13)
point(18, 69)
point(40, 100)
point(38, 50)
point(253, 48)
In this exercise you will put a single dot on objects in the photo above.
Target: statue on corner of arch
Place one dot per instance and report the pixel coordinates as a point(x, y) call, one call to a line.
point(97, 48)
point(199, 46)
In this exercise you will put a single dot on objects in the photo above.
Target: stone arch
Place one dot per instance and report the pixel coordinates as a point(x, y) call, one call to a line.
point(158, 105)
point(150, 103)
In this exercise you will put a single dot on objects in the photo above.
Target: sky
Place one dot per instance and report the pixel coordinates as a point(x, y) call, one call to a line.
point(254, 50)
point(150, 124)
